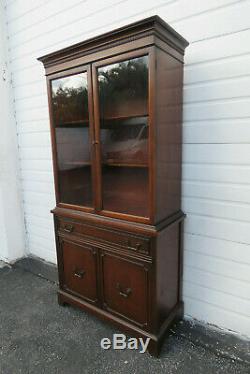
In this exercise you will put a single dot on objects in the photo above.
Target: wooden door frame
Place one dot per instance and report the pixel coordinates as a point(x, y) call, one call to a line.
point(150, 52)
point(63, 74)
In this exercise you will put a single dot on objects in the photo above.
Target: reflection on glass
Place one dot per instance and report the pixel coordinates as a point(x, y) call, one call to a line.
point(70, 100)
point(123, 100)
point(123, 88)
point(125, 141)
point(71, 121)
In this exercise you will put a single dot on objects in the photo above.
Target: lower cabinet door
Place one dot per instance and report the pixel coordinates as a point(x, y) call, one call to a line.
point(80, 270)
point(125, 288)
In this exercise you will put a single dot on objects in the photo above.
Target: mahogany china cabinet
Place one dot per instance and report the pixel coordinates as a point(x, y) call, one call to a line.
point(115, 105)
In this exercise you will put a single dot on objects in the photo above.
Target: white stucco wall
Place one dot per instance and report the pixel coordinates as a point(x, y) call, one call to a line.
point(216, 158)
point(12, 240)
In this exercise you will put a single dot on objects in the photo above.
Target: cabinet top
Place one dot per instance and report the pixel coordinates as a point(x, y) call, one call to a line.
point(152, 26)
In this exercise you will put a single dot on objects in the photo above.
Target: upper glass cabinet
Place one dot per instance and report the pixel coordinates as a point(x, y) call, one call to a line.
point(72, 136)
point(116, 113)
point(123, 121)
point(116, 178)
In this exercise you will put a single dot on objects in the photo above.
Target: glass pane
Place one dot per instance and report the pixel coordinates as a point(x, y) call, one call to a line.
point(71, 121)
point(123, 97)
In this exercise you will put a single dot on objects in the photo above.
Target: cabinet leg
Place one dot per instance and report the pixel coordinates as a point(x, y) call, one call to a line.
point(61, 301)
point(154, 348)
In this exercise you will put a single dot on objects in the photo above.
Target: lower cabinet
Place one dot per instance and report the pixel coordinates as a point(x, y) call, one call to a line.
point(79, 270)
point(125, 287)
point(123, 281)
point(104, 271)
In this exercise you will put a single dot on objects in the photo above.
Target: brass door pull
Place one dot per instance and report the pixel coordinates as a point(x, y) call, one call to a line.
point(136, 247)
point(68, 228)
point(124, 293)
point(79, 273)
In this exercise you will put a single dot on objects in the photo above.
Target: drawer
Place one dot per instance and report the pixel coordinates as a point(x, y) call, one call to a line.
point(128, 241)
point(79, 270)
point(125, 288)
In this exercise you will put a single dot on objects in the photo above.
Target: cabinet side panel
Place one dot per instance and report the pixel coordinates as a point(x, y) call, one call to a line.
point(169, 83)
point(167, 271)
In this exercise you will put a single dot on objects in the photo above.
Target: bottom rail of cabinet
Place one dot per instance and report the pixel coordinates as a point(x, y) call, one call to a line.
point(155, 340)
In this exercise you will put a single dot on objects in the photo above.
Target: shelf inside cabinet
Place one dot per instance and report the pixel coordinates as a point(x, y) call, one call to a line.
point(73, 124)
point(124, 164)
point(125, 190)
point(132, 120)
point(76, 164)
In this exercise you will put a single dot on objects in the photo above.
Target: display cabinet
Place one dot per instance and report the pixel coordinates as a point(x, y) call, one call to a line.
point(115, 105)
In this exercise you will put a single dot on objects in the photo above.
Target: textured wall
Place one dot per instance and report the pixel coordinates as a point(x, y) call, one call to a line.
point(12, 238)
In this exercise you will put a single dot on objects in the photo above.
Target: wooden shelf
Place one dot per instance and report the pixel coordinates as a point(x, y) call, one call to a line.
point(85, 123)
point(124, 117)
point(128, 121)
point(80, 123)
point(77, 164)
point(125, 164)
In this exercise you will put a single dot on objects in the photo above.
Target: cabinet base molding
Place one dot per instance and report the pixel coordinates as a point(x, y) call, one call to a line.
point(156, 341)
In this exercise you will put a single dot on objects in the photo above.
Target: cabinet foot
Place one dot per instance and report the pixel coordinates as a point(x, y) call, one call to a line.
point(61, 300)
point(154, 348)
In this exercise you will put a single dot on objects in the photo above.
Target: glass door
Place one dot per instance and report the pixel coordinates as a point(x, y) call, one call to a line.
point(122, 89)
point(70, 117)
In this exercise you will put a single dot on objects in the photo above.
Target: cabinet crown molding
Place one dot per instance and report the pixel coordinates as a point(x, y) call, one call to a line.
point(152, 26)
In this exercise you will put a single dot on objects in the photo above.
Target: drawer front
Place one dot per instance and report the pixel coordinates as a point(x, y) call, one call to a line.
point(79, 270)
point(125, 288)
point(130, 242)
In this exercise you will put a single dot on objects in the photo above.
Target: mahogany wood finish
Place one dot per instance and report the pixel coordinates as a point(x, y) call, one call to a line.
point(80, 269)
point(129, 297)
point(115, 106)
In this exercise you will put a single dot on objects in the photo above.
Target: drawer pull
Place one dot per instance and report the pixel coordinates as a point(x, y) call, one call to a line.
point(129, 244)
point(124, 293)
point(135, 247)
point(138, 246)
point(68, 228)
point(79, 273)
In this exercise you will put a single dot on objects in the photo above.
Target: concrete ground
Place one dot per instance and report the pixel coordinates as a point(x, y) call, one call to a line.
point(38, 336)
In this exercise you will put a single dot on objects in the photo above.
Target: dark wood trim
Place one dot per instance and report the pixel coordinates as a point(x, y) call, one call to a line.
point(150, 26)
point(72, 71)
point(181, 255)
point(105, 53)
point(152, 135)
point(175, 315)
point(92, 135)
point(156, 340)
point(126, 55)
point(104, 220)
point(89, 248)
point(70, 299)
point(77, 207)
point(135, 261)
point(127, 217)
point(97, 141)
point(59, 254)
point(95, 66)
point(112, 248)
point(169, 50)
point(174, 218)
point(97, 219)
point(53, 142)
